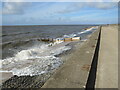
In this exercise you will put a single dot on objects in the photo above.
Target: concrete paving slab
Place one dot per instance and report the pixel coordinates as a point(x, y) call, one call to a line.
point(107, 71)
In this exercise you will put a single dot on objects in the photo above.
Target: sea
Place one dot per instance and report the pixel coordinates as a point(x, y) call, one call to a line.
point(23, 54)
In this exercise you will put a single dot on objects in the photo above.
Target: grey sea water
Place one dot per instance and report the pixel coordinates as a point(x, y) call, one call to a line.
point(23, 54)
point(16, 38)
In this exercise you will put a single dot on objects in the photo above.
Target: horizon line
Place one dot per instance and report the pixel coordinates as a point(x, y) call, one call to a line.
point(51, 24)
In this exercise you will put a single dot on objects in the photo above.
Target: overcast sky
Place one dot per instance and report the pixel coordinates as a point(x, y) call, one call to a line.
point(48, 13)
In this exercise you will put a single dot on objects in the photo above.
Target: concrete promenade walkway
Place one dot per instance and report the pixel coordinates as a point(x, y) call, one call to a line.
point(107, 71)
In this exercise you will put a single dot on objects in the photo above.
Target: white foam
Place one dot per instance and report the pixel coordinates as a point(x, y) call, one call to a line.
point(84, 31)
point(38, 59)
point(40, 66)
point(90, 29)
point(69, 36)
point(5, 71)
point(60, 50)
point(34, 61)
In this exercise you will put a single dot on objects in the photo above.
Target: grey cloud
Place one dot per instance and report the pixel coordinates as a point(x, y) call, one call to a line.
point(73, 7)
point(103, 5)
point(14, 7)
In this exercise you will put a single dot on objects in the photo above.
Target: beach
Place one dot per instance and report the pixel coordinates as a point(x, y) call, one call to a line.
point(85, 46)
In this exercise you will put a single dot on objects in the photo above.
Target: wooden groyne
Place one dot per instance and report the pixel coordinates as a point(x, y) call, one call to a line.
point(64, 39)
point(59, 39)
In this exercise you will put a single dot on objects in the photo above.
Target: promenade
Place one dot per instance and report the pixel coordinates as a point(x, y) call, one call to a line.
point(107, 71)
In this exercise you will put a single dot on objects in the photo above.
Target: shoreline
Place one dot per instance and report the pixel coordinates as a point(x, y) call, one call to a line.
point(43, 77)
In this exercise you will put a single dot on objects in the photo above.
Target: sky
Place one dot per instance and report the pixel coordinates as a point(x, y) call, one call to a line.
point(55, 13)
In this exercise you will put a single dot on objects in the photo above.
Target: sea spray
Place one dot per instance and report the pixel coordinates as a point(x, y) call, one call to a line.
point(35, 61)
point(40, 66)
point(38, 59)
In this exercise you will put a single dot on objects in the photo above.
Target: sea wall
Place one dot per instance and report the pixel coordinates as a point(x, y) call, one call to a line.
point(75, 71)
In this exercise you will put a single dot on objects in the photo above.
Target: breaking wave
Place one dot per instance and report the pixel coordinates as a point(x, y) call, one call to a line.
point(34, 61)
point(38, 59)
